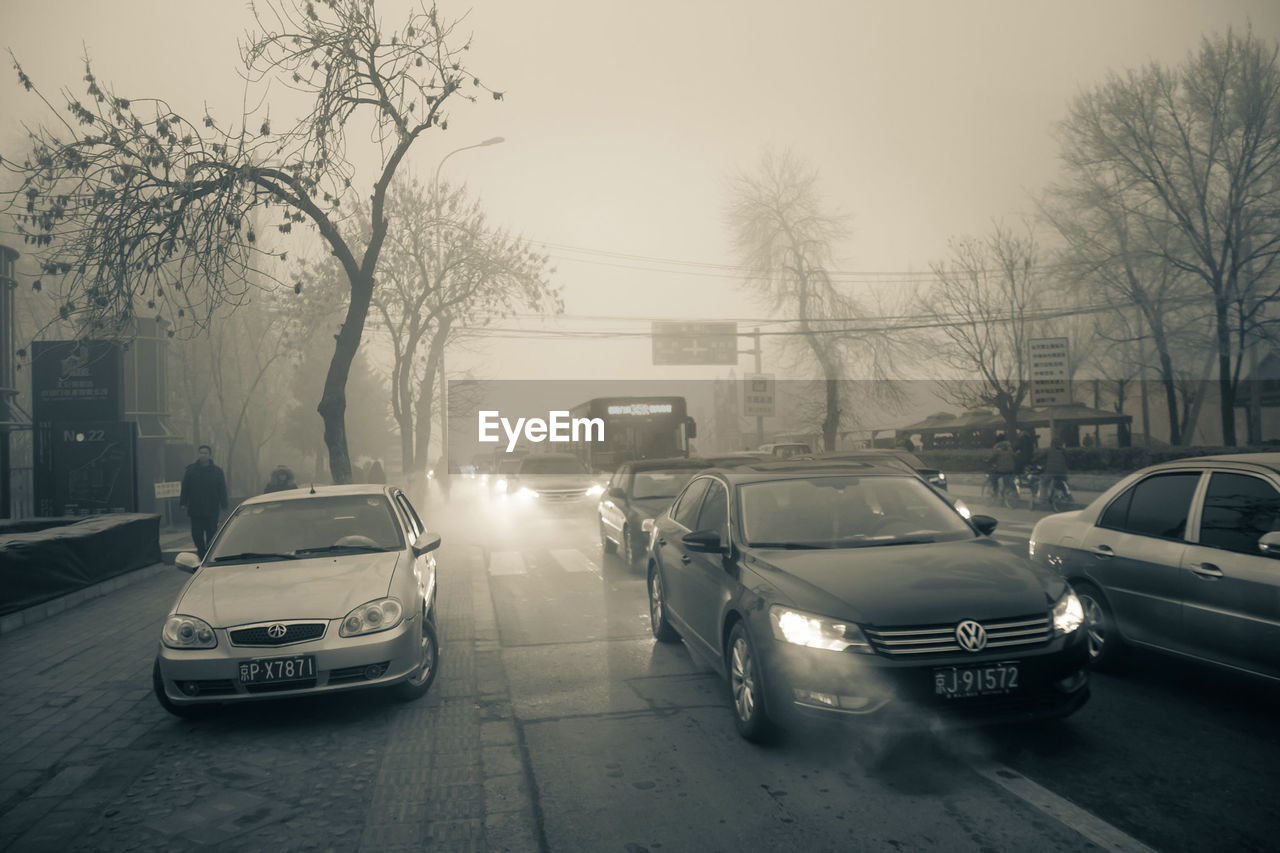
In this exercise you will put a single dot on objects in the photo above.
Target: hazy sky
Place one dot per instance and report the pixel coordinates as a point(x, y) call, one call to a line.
point(623, 121)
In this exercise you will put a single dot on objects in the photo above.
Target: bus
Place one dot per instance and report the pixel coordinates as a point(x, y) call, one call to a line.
point(634, 428)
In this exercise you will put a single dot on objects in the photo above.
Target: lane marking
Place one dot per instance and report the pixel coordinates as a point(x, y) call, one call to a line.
point(1064, 811)
point(506, 563)
point(573, 560)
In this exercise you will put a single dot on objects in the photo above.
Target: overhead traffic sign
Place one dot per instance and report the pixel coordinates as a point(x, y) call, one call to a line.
point(695, 343)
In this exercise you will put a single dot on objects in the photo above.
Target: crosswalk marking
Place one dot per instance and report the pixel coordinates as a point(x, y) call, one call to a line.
point(506, 563)
point(573, 560)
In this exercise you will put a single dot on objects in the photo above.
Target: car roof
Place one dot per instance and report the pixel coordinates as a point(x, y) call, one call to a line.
point(788, 469)
point(309, 491)
point(1267, 460)
point(668, 462)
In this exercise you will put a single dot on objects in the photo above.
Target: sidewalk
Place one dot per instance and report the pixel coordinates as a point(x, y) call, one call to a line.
point(91, 761)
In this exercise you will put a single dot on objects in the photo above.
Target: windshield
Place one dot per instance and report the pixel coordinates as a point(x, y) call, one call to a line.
point(660, 484)
point(846, 512)
point(553, 465)
point(313, 524)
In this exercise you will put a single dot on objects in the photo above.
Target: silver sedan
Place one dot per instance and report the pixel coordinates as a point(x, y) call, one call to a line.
point(302, 592)
point(1182, 557)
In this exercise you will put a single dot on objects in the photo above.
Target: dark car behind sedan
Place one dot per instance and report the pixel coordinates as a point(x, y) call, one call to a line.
point(858, 592)
point(638, 492)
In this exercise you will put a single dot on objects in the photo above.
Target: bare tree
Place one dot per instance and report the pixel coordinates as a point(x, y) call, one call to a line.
point(988, 295)
point(783, 236)
point(137, 209)
point(1197, 149)
point(1114, 251)
point(445, 268)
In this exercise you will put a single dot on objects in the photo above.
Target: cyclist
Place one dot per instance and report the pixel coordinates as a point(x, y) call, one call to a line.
point(1002, 467)
point(1054, 460)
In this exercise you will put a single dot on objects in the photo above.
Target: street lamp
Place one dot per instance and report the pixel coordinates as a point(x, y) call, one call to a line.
point(444, 384)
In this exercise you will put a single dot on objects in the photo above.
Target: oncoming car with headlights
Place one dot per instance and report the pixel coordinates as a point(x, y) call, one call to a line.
point(857, 591)
point(304, 592)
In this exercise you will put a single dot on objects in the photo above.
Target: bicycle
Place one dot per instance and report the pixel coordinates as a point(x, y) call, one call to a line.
point(1010, 491)
point(1059, 497)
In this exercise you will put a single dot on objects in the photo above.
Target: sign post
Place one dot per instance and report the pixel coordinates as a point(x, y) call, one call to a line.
point(758, 397)
point(1050, 378)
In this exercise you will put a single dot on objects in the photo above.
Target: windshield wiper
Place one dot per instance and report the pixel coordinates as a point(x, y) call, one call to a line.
point(790, 546)
point(324, 549)
point(255, 555)
point(868, 543)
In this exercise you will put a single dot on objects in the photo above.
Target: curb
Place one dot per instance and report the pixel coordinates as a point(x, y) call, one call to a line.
point(40, 612)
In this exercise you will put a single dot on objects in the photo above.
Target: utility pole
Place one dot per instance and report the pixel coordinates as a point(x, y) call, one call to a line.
point(759, 418)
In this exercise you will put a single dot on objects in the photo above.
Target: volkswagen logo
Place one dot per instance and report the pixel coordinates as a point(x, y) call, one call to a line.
point(971, 636)
point(277, 631)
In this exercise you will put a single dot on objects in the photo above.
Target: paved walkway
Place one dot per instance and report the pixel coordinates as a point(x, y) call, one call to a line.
point(90, 761)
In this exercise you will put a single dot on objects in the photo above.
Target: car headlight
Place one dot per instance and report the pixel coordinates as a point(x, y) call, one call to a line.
point(1068, 614)
point(942, 478)
point(596, 489)
point(501, 485)
point(526, 492)
point(817, 632)
point(1031, 548)
point(380, 615)
point(963, 508)
point(188, 632)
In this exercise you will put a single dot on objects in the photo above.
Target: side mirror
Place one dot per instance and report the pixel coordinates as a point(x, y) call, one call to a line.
point(187, 562)
point(702, 541)
point(984, 523)
point(616, 493)
point(1269, 544)
point(426, 543)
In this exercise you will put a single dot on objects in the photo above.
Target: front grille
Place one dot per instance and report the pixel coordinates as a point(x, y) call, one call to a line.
point(277, 686)
point(294, 632)
point(562, 494)
point(941, 639)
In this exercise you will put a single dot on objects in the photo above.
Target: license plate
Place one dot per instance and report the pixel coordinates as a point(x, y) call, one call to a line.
point(959, 682)
point(277, 669)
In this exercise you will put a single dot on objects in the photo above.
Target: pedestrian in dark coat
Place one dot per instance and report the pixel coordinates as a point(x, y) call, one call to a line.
point(204, 497)
point(281, 480)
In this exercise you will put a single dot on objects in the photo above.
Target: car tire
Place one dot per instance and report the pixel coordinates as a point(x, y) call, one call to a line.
point(1059, 501)
point(186, 712)
point(1105, 643)
point(420, 682)
point(746, 688)
point(607, 545)
point(663, 631)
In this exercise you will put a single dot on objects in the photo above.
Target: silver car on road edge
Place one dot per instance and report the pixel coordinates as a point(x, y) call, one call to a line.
point(303, 592)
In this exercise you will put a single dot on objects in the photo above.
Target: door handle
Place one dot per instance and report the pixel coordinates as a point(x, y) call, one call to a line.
point(685, 558)
point(1103, 551)
point(1208, 571)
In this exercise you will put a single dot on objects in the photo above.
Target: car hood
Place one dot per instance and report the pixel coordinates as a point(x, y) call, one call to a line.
point(556, 481)
point(316, 588)
point(921, 584)
point(650, 507)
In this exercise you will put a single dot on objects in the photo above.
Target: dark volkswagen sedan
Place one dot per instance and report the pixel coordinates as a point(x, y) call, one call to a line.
point(857, 591)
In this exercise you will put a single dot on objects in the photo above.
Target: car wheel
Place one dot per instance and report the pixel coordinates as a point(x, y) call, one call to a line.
point(1104, 640)
point(607, 545)
point(420, 682)
point(1060, 502)
point(746, 689)
point(663, 631)
point(187, 712)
